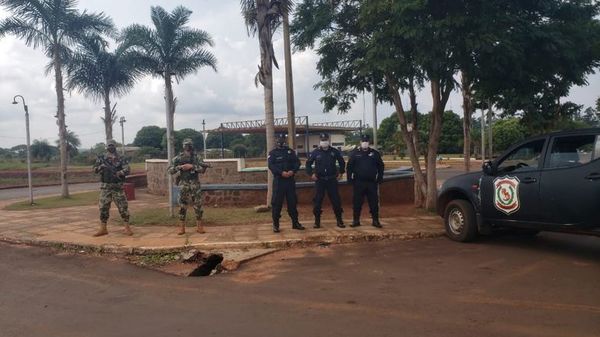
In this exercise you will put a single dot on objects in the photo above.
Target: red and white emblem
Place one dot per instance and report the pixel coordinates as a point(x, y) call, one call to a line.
point(506, 194)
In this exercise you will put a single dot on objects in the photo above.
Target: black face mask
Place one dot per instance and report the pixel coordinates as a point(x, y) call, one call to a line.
point(112, 149)
point(188, 148)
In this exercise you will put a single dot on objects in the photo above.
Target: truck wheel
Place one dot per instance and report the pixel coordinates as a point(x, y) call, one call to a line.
point(459, 220)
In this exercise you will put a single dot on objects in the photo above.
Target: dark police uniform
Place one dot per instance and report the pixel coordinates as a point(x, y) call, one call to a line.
point(365, 172)
point(284, 159)
point(326, 172)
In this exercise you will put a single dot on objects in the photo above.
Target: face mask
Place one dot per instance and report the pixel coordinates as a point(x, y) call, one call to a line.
point(364, 145)
point(112, 149)
point(324, 144)
point(187, 148)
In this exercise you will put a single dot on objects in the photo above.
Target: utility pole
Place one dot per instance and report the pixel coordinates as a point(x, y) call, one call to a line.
point(204, 134)
point(374, 116)
point(482, 135)
point(122, 121)
point(28, 147)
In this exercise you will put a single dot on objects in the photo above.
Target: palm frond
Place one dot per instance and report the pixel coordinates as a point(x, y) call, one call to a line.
point(250, 16)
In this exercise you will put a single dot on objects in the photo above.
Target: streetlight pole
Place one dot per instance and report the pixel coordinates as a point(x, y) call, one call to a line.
point(122, 121)
point(204, 134)
point(28, 146)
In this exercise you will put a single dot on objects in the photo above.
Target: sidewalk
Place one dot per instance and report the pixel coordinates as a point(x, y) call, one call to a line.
point(73, 227)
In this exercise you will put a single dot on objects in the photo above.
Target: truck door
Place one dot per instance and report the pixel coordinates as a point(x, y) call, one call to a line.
point(511, 196)
point(570, 189)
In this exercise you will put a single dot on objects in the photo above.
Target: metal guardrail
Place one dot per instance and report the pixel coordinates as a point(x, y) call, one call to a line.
point(260, 123)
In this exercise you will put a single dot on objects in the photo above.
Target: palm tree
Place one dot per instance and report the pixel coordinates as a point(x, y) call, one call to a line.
point(73, 143)
point(54, 25)
point(170, 50)
point(262, 17)
point(99, 73)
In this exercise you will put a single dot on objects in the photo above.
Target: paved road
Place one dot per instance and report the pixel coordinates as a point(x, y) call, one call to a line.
point(16, 193)
point(504, 286)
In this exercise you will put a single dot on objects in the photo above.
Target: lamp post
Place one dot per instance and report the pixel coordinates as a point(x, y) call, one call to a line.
point(28, 145)
point(204, 135)
point(122, 121)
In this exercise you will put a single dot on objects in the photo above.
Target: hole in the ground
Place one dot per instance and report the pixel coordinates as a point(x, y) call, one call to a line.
point(206, 267)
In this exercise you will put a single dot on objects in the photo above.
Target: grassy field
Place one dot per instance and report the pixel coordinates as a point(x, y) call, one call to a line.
point(76, 199)
point(212, 216)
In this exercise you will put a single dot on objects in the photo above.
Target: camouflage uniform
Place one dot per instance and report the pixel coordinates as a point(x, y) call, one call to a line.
point(111, 188)
point(190, 193)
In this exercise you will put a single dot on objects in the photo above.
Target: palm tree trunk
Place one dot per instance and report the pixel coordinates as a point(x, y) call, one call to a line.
point(289, 82)
point(62, 127)
point(466, 87)
point(170, 112)
point(108, 122)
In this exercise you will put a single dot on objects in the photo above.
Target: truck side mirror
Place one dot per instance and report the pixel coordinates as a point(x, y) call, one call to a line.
point(488, 168)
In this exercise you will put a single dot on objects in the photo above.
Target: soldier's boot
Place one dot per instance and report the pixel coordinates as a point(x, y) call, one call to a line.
point(127, 229)
point(199, 227)
point(376, 222)
point(355, 220)
point(181, 227)
point(102, 230)
point(275, 225)
point(297, 225)
point(340, 222)
point(317, 221)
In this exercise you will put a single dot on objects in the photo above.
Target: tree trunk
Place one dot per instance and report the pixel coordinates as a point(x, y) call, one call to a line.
point(419, 195)
point(170, 111)
point(289, 82)
point(108, 121)
point(420, 183)
point(466, 88)
point(62, 127)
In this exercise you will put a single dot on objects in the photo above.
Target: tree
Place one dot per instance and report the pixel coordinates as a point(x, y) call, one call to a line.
point(99, 74)
point(150, 136)
point(73, 143)
point(239, 150)
point(55, 26)
point(42, 150)
point(170, 50)
point(507, 132)
point(262, 17)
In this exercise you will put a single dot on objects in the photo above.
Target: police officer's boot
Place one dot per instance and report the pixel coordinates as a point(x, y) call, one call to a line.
point(376, 222)
point(297, 225)
point(102, 230)
point(355, 219)
point(340, 222)
point(199, 227)
point(181, 227)
point(275, 225)
point(317, 221)
point(127, 230)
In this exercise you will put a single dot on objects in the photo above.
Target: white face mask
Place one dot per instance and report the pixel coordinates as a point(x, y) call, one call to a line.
point(364, 145)
point(324, 144)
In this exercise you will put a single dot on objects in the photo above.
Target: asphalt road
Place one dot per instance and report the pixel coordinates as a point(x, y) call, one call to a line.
point(18, 193)
point(505, 286)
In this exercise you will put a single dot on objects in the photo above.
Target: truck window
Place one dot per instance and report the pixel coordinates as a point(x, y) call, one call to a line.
point(570, 151)
point(524, 157)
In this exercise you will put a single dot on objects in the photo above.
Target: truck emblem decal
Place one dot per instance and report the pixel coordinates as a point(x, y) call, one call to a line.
point(506, 194)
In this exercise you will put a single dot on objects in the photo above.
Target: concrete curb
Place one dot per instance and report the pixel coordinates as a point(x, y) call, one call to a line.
point(271, 244)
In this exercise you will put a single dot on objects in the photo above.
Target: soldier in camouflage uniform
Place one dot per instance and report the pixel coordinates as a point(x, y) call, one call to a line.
point(187, 167)
point(112, 169)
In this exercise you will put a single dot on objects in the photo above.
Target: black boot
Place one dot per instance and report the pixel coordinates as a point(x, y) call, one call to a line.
point(275, 225)
point(317, 221)
point(376, 222)
point(355, 220)
point(340, 222)
point(297, 225)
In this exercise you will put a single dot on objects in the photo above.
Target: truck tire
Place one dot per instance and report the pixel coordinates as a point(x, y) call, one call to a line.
point(459, 220)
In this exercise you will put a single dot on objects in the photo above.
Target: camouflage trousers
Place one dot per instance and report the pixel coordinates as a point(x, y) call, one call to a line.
point(190, 194)
point(112, 192)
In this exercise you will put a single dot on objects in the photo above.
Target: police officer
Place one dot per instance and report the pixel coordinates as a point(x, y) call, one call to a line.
point(187, 167)
point(325, 175)
point(365, 172)
point(284, 163)
point(112, 169)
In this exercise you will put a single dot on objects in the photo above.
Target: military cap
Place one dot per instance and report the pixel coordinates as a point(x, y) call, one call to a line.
point(187, 141)
point(111, 142)
point(324, 136)
point(365, 138)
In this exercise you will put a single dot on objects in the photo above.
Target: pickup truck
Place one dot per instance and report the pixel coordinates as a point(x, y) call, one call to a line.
point(546, 183)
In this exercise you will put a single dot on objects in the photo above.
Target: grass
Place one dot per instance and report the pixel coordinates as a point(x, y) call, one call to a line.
point(17, 165)
point(212, 216)
point(77, 199)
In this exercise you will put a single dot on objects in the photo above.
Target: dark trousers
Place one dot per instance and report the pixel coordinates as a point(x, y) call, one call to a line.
point(371, 191)
point(284, 188)
point(331, 187)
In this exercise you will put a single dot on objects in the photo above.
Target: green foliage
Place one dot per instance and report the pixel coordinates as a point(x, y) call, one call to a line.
point(42, 150)
point(507, 132)
point(150, 136)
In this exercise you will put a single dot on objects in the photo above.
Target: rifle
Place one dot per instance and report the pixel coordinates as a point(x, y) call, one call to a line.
point(191, 161)
point(113, 170)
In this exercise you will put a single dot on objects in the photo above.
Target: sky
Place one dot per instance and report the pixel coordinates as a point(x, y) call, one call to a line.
point(227, 95)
